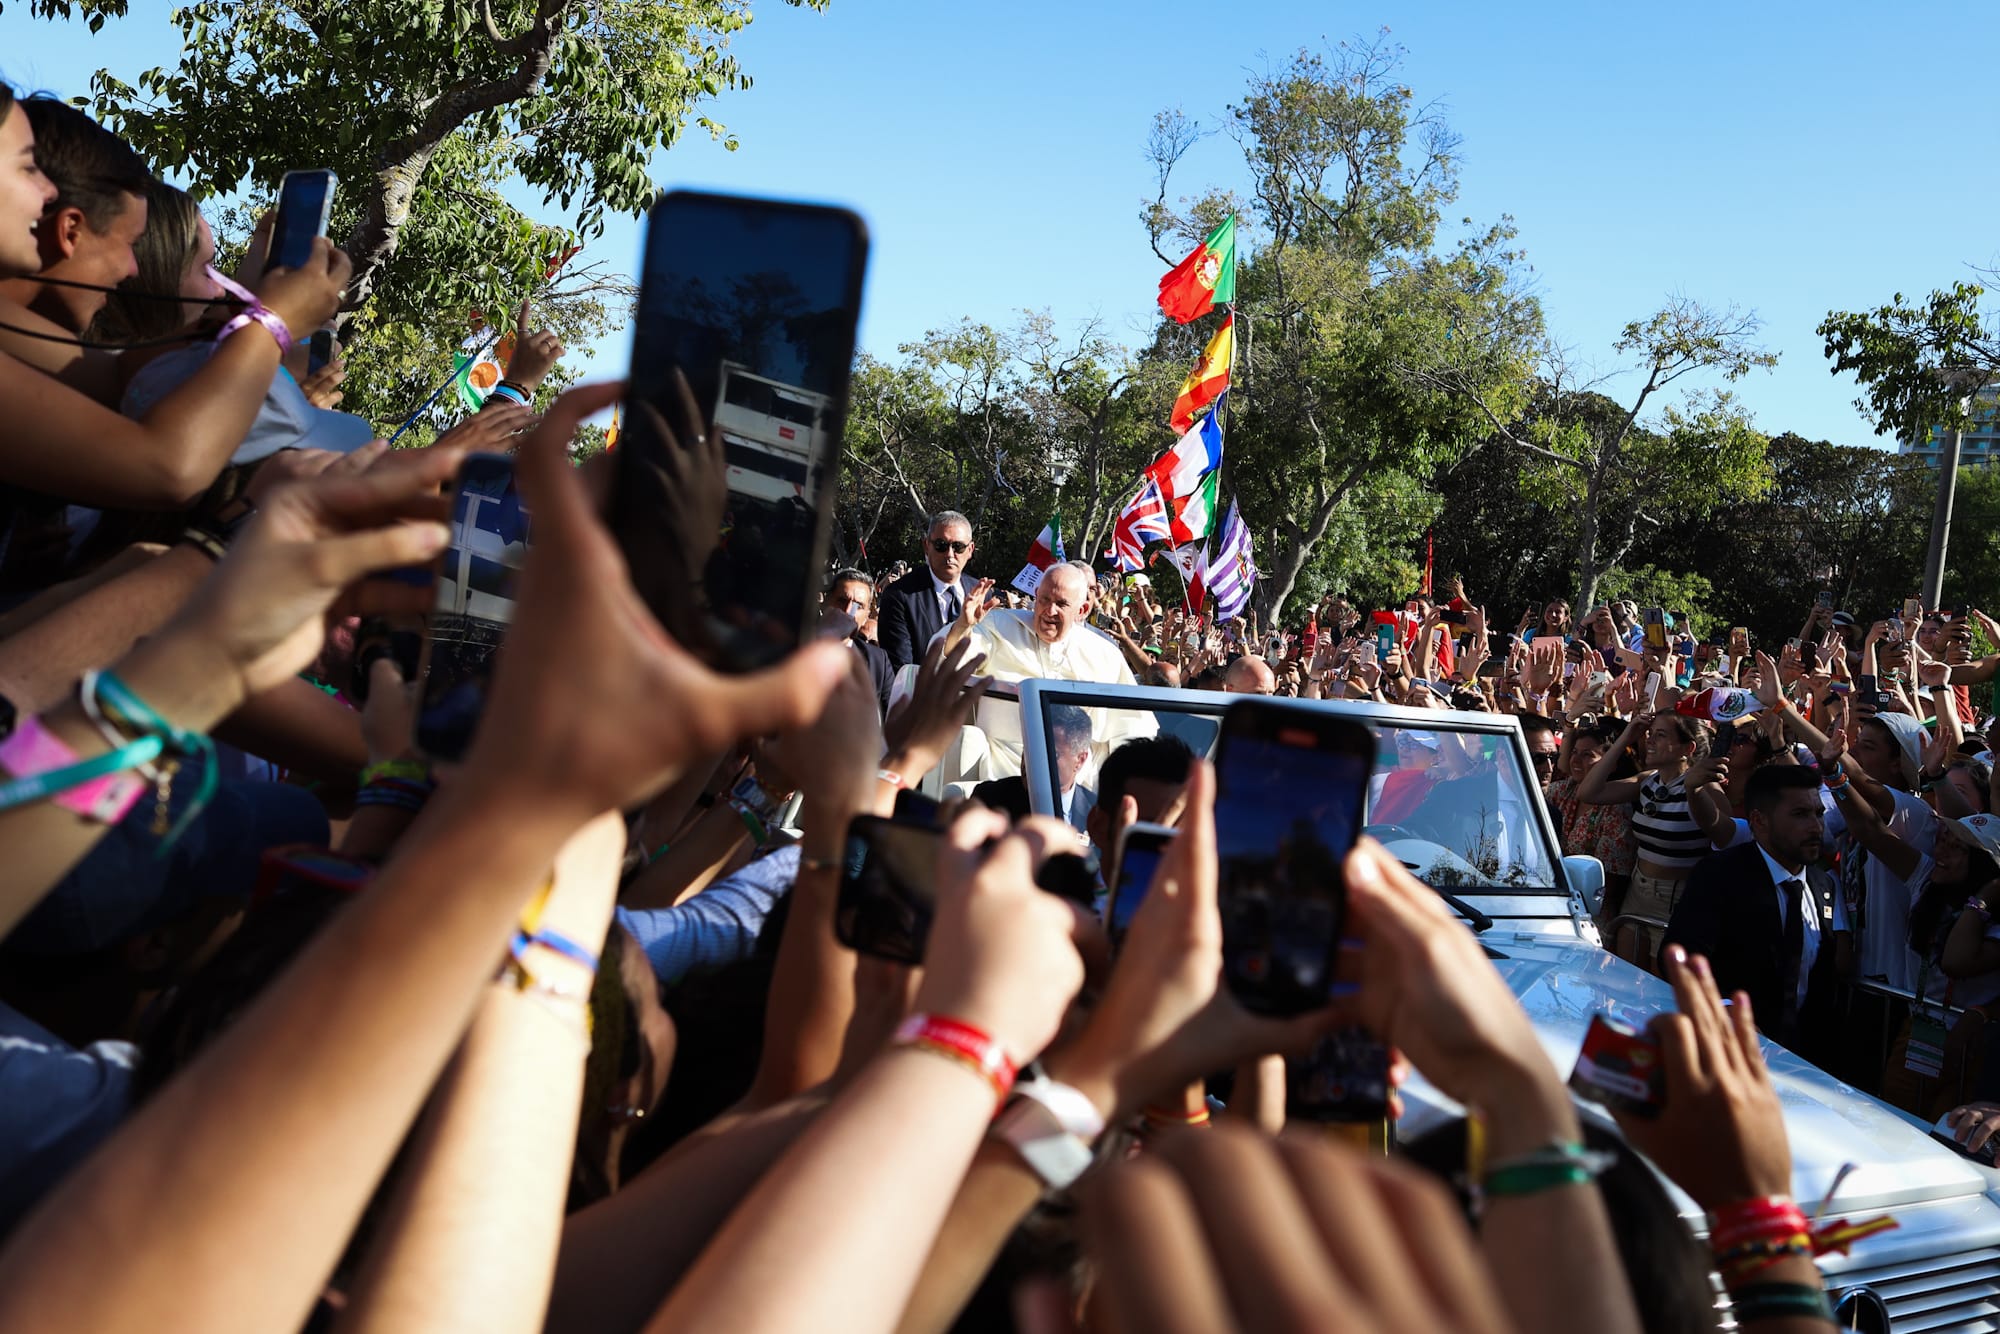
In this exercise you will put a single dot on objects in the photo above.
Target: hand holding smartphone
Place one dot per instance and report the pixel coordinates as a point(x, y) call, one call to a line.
point(305, 205)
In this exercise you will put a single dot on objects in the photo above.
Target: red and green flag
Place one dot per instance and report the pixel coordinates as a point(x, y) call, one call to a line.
point(1205, 278)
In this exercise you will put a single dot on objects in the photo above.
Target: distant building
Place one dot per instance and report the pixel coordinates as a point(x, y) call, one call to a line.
point(1981, 442)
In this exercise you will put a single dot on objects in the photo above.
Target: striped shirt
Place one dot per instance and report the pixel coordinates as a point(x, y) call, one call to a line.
point(1666, 832)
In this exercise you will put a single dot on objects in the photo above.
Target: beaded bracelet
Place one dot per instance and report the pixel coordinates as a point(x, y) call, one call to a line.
point(507, 393)
point(416, 771)
point(1767, 1301)
point(401, 793)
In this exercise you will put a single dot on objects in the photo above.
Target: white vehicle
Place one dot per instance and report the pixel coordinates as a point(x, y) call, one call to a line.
point(771, 433)
point(1530, 905)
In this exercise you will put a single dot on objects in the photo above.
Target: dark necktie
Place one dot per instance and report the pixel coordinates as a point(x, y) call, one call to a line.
point(952, 606)
point(1795, 952)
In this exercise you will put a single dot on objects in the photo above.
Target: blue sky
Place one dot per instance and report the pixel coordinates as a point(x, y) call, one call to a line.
point(1789, 158)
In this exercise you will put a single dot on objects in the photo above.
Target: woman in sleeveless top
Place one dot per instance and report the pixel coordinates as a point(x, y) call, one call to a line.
point(1669, 838)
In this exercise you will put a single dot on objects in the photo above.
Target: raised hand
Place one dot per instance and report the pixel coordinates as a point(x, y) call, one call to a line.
point(310, 295)
point(1721, 1133)
point(943, 700)
point(490, 430)
point(536, 351)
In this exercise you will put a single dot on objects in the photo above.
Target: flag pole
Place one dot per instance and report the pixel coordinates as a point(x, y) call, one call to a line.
point(425, 406)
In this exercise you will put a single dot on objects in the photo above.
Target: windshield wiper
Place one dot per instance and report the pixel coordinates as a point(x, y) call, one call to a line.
point(1479, 920)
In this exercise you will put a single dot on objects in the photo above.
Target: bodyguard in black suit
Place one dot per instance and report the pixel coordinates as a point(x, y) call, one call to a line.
point(1758, 912)
point(918, 605)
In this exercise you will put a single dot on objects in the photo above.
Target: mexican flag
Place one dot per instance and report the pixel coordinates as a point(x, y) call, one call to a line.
point(1209, 377)
point(478, 369)
point(1047, 551)
point(1193, 287)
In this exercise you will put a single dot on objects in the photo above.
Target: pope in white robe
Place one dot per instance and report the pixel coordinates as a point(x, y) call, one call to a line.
point(1051, 641)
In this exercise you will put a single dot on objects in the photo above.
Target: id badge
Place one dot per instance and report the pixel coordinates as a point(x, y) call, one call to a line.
point(1925, 1053)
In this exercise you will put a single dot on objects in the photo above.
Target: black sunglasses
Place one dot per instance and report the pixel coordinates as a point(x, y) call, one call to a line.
point(941, 546)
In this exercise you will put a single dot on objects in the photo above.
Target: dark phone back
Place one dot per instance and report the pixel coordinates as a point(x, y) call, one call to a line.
point(1291, 784)
point(724, 521)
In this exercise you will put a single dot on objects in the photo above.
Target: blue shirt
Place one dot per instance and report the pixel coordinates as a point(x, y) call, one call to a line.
point(716, 927)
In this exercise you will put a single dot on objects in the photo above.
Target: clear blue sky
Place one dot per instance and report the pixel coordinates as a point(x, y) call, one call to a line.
point(1789, 158)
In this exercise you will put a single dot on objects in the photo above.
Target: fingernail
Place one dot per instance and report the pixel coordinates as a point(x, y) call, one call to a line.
point(433, 537)
point(1677, 955)
point(1701, 964)
point(1362, 870)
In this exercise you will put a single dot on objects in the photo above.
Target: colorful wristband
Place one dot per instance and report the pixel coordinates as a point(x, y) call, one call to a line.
point(507, 393)
point(1548, 1168)
point(102, 788)
point(265, 316)
point(1768, 1301)
point(962, 1043)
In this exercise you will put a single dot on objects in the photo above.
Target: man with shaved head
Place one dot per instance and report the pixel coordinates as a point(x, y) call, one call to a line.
point(1051, 640)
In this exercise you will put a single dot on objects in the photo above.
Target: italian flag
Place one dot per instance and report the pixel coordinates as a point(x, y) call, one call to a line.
point(1209, 377)
point(1047, 551)
point(1194, 513)
point(1193, 287)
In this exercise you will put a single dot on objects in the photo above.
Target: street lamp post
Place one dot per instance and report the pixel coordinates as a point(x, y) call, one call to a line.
point(1967, 383)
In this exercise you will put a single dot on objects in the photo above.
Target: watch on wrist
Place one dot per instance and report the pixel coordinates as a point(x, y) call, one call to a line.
point(1052, 1127)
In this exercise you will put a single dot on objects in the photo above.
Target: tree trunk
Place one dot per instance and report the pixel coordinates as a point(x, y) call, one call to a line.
point(1274, 586)
point(1587, 573)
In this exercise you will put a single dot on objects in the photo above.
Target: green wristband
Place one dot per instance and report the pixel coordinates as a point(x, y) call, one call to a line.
point(1547, 1168)
point(1768, 1301)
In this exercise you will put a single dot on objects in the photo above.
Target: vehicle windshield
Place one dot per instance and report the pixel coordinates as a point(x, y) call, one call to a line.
point(1450, 795)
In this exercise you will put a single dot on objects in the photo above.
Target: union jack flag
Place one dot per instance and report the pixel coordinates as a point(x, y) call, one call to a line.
point(1145, 518)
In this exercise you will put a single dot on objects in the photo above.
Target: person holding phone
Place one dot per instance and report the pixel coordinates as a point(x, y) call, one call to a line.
point(852, 593)
point(1671, 841)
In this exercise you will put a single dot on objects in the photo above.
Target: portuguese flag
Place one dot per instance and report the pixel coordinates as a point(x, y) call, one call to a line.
point(1209, 377)
point(1193, 287)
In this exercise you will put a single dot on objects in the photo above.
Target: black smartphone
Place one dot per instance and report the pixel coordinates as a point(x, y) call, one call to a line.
point(754, 303)
point(475, 583)
point(1343, 1079)
point(1720, 744)
point(1291, 782)
point(1140, 849)
point(305, 203)
point(1450, 616)
point(888, 893)
point(319, 351)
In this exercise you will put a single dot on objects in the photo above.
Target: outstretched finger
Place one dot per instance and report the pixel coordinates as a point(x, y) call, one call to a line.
point(522, 321)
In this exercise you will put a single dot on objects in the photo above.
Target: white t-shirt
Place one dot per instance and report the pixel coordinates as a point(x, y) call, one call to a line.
point(1882, 946)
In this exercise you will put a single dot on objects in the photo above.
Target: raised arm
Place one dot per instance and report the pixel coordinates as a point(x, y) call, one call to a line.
point(1599, 788)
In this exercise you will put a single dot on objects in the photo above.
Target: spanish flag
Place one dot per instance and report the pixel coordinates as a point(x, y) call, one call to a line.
point(1194, 286)
point(1209, 377)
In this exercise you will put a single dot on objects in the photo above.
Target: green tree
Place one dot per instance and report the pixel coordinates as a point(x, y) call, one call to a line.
point(1349, 299)
point(432, 113)
point(1619, 470)
point(1916, 362)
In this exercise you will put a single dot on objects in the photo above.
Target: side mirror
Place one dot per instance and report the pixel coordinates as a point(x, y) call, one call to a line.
point(1586, 877)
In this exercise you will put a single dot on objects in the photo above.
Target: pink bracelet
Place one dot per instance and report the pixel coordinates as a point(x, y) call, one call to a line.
point(33, 749)
point(260, 315)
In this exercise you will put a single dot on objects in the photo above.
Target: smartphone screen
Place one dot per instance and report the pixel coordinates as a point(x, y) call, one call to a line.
point(887, 897)
point(475, 585)
point(1140, 849)
point(1913, 610)
point(1344, 1078)
point(755, 304)
point(305, 202)
point(1290, 786)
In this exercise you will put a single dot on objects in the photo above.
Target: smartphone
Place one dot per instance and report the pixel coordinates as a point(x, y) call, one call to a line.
point(754, 304)
point(1824, 598)
point(1913, 611)
point(1494, 666)
point(1140, 849)
point(1291, 782)
point(1364, 652)
point(1795, 646)
point(1719, 744)
point(1620, 1067)
point(305, 203)
point(1944, 1134)
point(475, 584)
point(1453, 617)
point(1385, 640)
point(887, 896)
point(1652, 684)
point(1838, 687)
point(1655, 627)
point(319, 351)
point(1343, 1079)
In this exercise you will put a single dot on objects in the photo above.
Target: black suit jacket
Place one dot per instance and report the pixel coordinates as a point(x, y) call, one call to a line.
point(910, 616)
point(880, 671)
point(1729, 913)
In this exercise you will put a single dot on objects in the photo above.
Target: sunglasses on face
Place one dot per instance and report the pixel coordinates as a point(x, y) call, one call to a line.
point(941, 546)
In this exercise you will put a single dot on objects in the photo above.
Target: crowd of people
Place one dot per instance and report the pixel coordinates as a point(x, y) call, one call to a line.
point(298, 1029)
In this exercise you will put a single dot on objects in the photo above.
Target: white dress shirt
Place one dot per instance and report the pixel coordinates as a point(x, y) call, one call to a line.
point(1808, 914)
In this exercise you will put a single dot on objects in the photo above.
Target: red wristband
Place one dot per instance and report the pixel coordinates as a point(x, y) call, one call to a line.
point(962, 1043)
